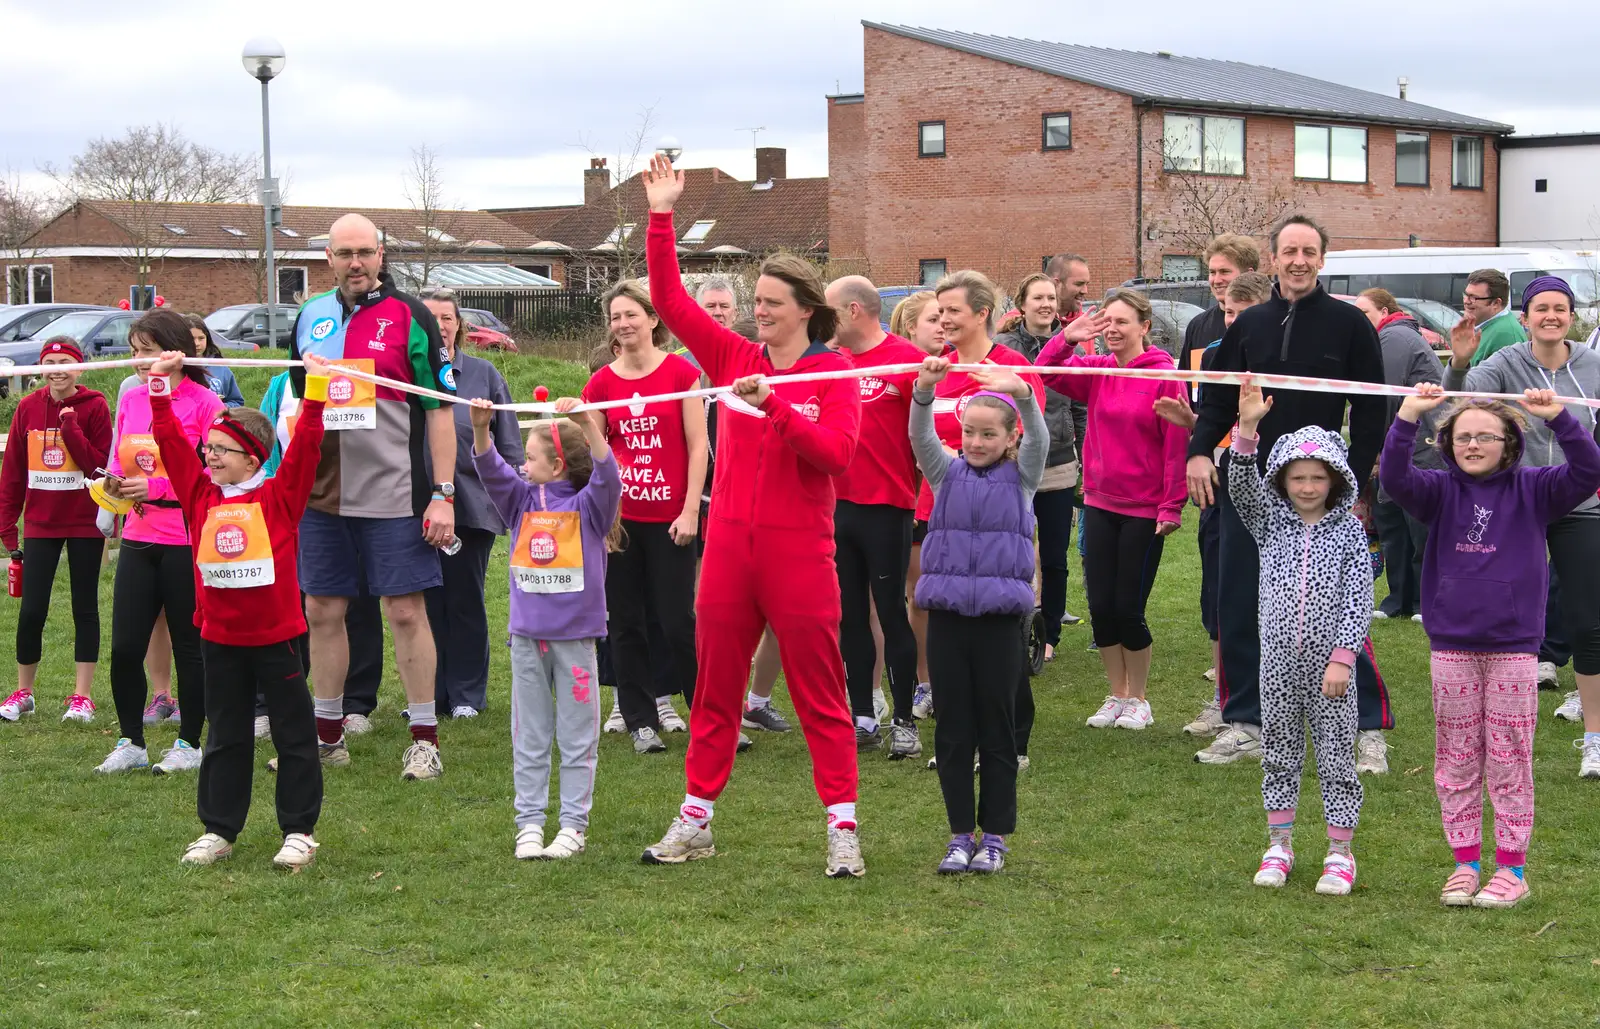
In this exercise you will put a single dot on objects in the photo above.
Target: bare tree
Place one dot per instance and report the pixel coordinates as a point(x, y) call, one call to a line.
point(22, 213)
point(623, 253)
point(436, 221)
point(148, 167)
point(1202, 203)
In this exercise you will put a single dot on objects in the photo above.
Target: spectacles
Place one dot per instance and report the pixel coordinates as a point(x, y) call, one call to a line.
point(1483, 439)
point(1473, 298)
point(365, 253)
point(217, 449)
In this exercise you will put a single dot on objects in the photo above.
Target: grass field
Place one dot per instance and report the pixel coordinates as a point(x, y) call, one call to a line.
point(1127, 900)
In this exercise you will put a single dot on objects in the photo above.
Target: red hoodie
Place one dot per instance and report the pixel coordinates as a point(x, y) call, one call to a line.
point(775, 466)
point(248, 538)
point(46, 463)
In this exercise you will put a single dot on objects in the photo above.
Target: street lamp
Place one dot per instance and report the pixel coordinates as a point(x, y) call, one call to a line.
point(263, 59)
point(670, 146)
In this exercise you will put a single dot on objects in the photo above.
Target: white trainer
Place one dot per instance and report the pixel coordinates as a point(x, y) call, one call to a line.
point(79, 709)
point(530, 842)
point(421, 761)
point(1589, 764)
point(922, 702)
point(1338, 875)
point(1135, 714)
point(357, 725)
point(1571, 708)
point(180, 757)
point(1208, 722)
point(1549, 675)
point(1106, 717)
point(568, 841)
point(671, 721)
point(207, 850)
point(463, 711)
point(18, 704)
point(1372, 752)
point(124, 757)
point(1235, 743)
point(844, 854)
point(263, 727)
point(684, 841)
point(298, 851)
point(615, 723)
point(1276, 864)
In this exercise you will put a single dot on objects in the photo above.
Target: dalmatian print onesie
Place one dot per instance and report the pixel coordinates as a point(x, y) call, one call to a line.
point(1316, 601)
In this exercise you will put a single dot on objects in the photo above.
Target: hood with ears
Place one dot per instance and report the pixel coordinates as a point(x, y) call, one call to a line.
point(1313, 441)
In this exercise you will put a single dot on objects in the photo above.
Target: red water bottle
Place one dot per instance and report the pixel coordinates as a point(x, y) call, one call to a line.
point(14, 574)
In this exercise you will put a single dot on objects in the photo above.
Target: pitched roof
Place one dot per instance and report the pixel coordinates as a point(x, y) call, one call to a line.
point(785, 214)
point(535, 221)
point(1197, 81)
point(209, 225)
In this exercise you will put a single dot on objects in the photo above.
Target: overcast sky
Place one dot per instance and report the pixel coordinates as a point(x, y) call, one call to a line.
point(515, 96)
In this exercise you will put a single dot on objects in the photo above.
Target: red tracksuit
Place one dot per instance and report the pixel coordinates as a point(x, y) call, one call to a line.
point(769, 544)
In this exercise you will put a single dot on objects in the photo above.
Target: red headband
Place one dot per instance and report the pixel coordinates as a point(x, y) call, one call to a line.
point(62, 346)
point(555, 437)
point(238, 433)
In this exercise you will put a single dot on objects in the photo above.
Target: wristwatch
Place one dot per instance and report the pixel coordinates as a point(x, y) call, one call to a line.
point(447, 490)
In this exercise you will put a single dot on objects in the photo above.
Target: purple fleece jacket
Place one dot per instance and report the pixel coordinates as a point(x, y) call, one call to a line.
point(1484, 573)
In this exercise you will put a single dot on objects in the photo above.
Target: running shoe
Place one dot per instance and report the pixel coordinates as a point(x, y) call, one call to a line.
point(904, 741)
point(922, 701)
point(207, 850)
point(1107, 715)
point(263, 727)
point(1505, 889)
point(1549, 675)
point(1338, 875)
point(421, 761)
point(1135, 714)
point(684, 841)
point(1068, 618)
point(1208, 722)
point(180, 757)
point(332, 755)
point(868, 739)
point(844, 854)
point(1571, 708)
point(1023, 763)
point(357, 725)
point(298, 851)
point(645, 741)
point(124, 757)
point(1372, 752)
point(766, 719)
point(958, 854)
point(1235, 743)
point(991, 855)
point(79, 709)
point(1589, 764)
point(568, 841)
point(745, 743)
point(1209, 675)
point(1460, 887)
point(671, 721)
point(18, 704)
point(1276, 864)
point(463, 711)
point(530, 843)
point(615, 723)
point(160, 708)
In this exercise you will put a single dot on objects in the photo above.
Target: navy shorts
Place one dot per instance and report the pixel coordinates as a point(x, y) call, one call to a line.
point(334, 551)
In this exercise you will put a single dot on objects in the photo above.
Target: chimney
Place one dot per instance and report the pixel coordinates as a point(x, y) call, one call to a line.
point(1403, 83)
point(772, 162)
point(596, 181)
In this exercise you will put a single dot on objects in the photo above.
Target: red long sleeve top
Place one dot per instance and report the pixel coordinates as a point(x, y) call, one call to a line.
point(46, 462)
point(244, 541)
point(775, 465)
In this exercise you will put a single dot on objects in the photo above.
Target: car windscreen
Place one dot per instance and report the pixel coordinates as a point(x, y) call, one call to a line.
point(225, 319)
point(75, 324)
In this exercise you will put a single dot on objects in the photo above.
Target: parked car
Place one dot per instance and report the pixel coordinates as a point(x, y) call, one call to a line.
point(1434, 340)
point(244, 326)
point(892, 295)
point(101, 332)
point(23, 320)
point(1432, 316)
point(1169, 319)
point(487, 332)
point(1195, 292)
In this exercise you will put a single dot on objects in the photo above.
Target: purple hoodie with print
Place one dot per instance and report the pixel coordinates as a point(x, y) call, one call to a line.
point(1484, 573)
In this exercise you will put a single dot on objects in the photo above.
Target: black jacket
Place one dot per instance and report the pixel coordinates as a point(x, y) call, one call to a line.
point(1317, 336)
point(1057, 408)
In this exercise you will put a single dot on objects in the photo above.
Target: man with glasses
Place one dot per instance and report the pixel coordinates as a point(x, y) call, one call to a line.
point(372, 507)
point(1487, 301)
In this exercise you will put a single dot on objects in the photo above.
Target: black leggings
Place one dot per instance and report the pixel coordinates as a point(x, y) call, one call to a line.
point(1575, 555)
point(975, 665)
point(1119, 570)
point(651, 574)
point(40, 558)
point(873, 549)
point(152, 577)
point(1052, 511)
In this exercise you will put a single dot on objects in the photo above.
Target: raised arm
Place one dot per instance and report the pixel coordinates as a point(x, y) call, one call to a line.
point(932, 457)
point(1560, 488)
point(298, 468)
point(1417, 490)
point(184, 472)
point(1246, 487)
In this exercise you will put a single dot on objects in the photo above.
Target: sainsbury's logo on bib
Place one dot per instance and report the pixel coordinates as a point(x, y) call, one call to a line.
point(235, 549)
point(548, 557)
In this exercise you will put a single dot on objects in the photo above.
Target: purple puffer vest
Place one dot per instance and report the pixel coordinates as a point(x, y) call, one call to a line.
point(977, 558)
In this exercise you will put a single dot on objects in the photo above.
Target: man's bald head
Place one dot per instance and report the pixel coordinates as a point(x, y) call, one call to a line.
point(352, 230)
point(859, 307)
point(355, 255)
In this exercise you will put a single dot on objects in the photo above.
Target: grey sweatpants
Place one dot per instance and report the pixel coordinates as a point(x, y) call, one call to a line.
point(1291, 696)
point(554, 698)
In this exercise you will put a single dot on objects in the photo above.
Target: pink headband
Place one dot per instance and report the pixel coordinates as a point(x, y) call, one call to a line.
point(1008, 398)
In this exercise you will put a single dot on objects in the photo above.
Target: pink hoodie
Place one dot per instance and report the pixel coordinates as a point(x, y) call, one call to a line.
point(1133, 459)
point(195, 407)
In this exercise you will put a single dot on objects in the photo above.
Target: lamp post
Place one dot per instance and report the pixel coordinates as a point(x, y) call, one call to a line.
point(263, 59)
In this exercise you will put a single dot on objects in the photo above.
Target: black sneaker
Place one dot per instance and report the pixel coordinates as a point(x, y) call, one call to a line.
point(765, 718)
point(868, 740)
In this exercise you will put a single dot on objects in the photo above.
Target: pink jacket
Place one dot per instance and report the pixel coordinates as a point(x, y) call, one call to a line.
point(195, 407)
point(1133, 459)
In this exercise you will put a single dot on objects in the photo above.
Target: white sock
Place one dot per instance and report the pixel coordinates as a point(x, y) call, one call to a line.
point(423, 714)
point(330, 709)
point(696, 811)
point(867, 722)
point(755, 703)
point(842, 816)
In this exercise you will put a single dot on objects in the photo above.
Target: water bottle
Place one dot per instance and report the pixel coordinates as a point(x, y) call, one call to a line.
point(14, 574)
point(451, 549)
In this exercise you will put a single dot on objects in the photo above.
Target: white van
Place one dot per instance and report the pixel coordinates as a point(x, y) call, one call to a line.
point(1440, 273)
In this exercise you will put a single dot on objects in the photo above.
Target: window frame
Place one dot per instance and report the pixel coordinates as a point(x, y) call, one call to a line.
point(690, 237)
point(29, 290)
point(1244, 143)
point(1366, 153)
point(33, 289)
point(1199, 268)
point(944, 139)
point(1044, 131)
point(1427, 159)
point(923, 264)
point(1482, 162)
point(305, 281)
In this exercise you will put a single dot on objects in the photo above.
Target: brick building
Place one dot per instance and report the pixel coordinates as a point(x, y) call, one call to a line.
point(986, 152)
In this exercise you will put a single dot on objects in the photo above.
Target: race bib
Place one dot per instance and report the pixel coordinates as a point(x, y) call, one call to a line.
point(352, 402)
point(548, 557)
point(235, 550)
point(140, 457)
point(50, 464)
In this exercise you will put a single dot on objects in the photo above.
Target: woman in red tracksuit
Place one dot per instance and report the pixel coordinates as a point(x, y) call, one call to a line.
point(769, 539)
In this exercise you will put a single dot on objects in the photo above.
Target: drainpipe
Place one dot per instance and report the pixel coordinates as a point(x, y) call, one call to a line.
point(1138, 193)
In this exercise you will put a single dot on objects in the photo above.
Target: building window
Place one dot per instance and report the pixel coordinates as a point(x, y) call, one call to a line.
point(537, 269)
point(176, 230)
point(619, 234)
point(291, 285)
point(288, 232)
point(1058, 131)
point(930, 139)
point(1180, 267)
point(1211, 146)
point(1466, 162)
point(41, 284)
point(1332, 153)
point(1541, 185)
point(16, 284)
point(698, 232)
point(1410, 158)
point(931, 271)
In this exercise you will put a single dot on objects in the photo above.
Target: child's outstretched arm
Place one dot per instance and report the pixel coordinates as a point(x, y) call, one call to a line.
point(298, 469)
point(1563, 487)
point(184, 471)
point(1355, 608)
point(932, 457)
point(508, 492)
point(1417, 490)
point(1246, 489)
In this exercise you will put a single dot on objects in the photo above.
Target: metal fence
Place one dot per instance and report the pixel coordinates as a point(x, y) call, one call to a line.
point(540, 313)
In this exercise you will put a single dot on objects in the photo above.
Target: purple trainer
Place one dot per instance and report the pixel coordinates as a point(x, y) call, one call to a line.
point(991, 856)
point(958, 855)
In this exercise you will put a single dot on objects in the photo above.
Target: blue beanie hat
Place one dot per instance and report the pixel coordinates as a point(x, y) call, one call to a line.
point(1546, 284)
